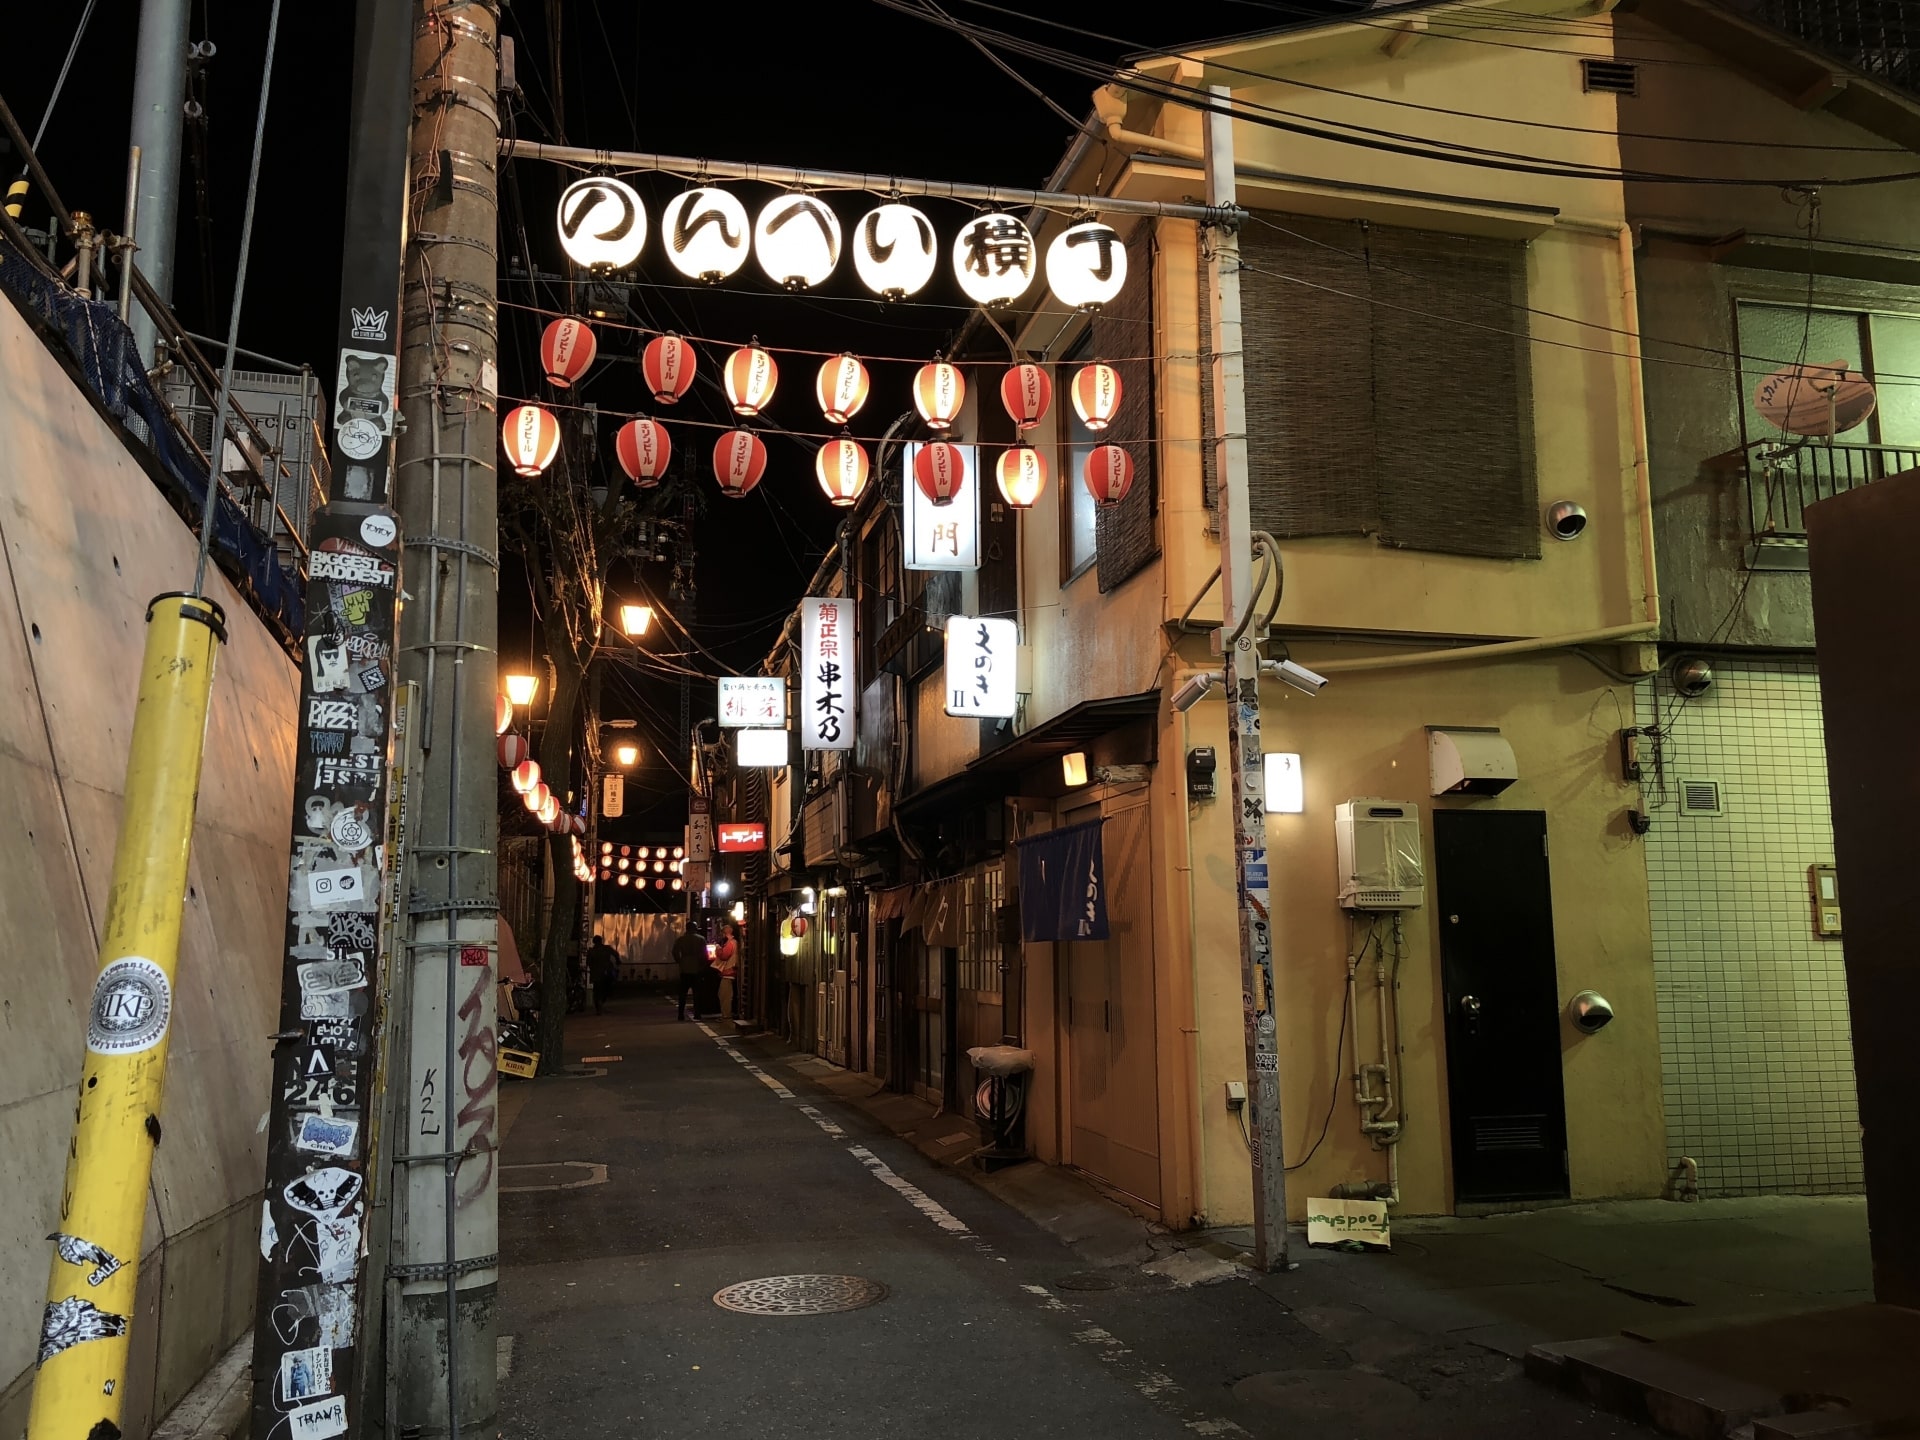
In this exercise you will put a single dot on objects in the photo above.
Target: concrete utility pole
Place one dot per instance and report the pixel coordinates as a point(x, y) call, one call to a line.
point(1237, 591)
point(159, 98)
point(446, 1240)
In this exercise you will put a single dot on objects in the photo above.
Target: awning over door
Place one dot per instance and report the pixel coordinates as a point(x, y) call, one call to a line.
point(1063, 884)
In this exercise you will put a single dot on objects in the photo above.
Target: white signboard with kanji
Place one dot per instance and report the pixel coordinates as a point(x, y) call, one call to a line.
point(826, 674)
point(943, 537)
point(982, 667)
point(752, 701)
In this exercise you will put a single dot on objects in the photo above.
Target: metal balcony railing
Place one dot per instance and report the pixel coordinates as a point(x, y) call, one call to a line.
point(1783, 478)
point(1880, 38)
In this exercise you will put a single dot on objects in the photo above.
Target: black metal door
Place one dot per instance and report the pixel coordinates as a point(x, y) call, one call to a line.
point(1502, 999)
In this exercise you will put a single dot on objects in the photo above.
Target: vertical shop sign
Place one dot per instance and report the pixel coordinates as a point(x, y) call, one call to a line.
point(827, 680)
point(982, 655)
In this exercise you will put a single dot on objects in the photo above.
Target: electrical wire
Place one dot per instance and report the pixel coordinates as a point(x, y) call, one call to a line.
point(60, 80)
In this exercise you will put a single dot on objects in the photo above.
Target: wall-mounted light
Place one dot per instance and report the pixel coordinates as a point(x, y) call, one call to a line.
point(806, 900)
point(635, 620)
point(1073, 768)
point(1286, 785)
point(723, 888)
point(625, 754)
point(521, 688)
point(739, 911)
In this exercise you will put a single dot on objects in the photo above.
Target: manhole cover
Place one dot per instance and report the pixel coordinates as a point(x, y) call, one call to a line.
point(1085, 1280)
point(800, 1295)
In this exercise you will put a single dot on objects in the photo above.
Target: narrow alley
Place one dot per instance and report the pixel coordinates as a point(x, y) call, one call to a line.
point(672, 1161)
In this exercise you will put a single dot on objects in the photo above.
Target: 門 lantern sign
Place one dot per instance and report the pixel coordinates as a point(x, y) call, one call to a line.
point(706, 234)
point(567, 349)
point(939, 393)
point(531, 437)
point(602, 223)
point(842, 468)
point(1022, 475)
point(1086, 265)
point(940, 470)
point(643, 449)
point(841, 388)
point(894, 251)
point(1026, 392)
point(1109, 474)
point(1096, 395)
point(797, 240)
point(739, 460)
point(748, 379)
point(993, 259)
point(668, 364)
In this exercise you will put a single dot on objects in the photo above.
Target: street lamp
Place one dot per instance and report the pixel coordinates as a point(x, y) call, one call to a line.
point(625, 754)
point(521, 688)
point(635, 620)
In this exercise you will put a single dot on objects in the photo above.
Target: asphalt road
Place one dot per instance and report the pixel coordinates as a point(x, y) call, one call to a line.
point(713, 1176)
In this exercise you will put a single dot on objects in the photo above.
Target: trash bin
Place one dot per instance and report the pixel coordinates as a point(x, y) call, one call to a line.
point(1002, 1101)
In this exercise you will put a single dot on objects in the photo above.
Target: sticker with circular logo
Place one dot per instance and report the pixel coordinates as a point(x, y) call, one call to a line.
point(132, 1004)
point(360, 438)
point(349, 830)
point(378, 531)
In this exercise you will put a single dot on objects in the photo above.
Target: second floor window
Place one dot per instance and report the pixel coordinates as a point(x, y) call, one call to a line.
point(1884, 347)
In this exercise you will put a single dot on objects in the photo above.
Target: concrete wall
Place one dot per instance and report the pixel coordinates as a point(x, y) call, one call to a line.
point(85, 542)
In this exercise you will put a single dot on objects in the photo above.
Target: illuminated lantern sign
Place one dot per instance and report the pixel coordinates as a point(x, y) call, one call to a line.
point(736, 836)
point(1086, 265)
point(643, 449)
point(739, 460)
point(842, 468)
point(993, 259)
point(706, 234)
point(749, 379)
point(1026, 392)
point(1096, 395)
point(667, 365)
point(567, 349)
point(760, 749)
point(602, 223)
point(940, 536)
point(531, 437)
point(940, 470)
point(893, 251)
point(939, 392)
point(749, 701)
point(982, 656)
point(1022, 475)
point(797, 241)
point(841, 388)
point(1109, 474)
point(827, 679)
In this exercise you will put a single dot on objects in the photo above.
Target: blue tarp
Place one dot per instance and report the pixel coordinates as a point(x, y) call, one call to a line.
point(1063, 884)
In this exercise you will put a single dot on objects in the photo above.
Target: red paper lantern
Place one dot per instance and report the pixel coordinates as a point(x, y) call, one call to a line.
point(841, 388)
point(502, 714)
point(1022, 474)
point(799, 926)
point(643, 450)
point(536, 797)
point(549, 810)
point(739, 460)
point(1026, 391)
point(1109, 474)
point(940, 470)
point(939, 393)
point(1096, 395)
point(567, 349)
point(531, 437)
point(749, 379)
point(842, 468)
point(668, 365)
point(577, 824)
point(526, 775)
point(513, 749)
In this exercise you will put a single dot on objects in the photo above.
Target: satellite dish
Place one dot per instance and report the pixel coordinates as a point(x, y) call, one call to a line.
point(1815, 399)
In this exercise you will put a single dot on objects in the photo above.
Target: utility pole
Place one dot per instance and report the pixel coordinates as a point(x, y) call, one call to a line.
point(444, 1272)
point(159, 98)
point(1243, 701)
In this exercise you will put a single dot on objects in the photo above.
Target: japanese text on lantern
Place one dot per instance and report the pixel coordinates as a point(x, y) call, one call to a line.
point(827, 677)
point(982, 661)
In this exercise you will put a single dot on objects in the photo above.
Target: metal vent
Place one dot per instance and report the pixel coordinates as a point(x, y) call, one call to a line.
point(1700, 797)
point(1509, 1132)
point(1609, 77)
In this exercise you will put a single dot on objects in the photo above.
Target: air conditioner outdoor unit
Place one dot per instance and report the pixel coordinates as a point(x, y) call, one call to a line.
point(1378, 845)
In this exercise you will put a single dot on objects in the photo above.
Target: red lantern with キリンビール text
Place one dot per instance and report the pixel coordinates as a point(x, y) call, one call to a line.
point(940, 470)
point(1022, 475)
point(748, 379)
point(1096, 395)
point(939, 392)
point(514, 748)
point(1109, 474)
point(739, 460)
point(1026, 391)
point(668, 365)
point(536, 797)
point(842, 468)
point(841, 388)
point(567, 348)
point(526, 775)
point(643, 450)
point(531, 438)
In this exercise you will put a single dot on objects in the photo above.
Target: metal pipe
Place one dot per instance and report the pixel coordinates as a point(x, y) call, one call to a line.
point(126, 244)
point(159, 95)
point(1637, 414)
point(1639, 629)
point(797, 178)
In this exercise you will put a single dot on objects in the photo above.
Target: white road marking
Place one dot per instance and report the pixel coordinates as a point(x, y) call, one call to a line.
point(908, 1191)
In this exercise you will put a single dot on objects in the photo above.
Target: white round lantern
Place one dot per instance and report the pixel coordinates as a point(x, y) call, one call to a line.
point(993, 259)
point(894, 251)
point(939, 394)
point(749, 378)
point(842, 468)
point(531, 437)
point(841, 388)
point(1096, 395)
point(1086, 265)
point(797, 240)
point(603, 225)
point(706, 234)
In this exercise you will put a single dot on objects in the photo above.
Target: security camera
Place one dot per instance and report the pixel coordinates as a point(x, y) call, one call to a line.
point(1298, 676)
point(1566, 520)
point(1194, 689)
point(1692, 678)
point(1589, 1011)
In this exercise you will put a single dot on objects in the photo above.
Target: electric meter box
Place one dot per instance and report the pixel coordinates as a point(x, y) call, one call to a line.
point(1378, 845)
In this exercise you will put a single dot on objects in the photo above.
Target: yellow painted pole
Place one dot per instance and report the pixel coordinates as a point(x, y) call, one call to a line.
point(84, 1340)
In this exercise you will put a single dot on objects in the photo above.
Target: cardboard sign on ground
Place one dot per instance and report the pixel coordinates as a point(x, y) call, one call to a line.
point(1331, 1222)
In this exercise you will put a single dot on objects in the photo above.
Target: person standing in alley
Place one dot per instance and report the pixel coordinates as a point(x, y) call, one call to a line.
point(690, 959)
point(726, 966)
point(601, 959)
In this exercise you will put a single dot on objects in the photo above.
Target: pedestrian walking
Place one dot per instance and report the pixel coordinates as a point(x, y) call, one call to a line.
point(690, 959)
point(726, 965)
point(601, 960)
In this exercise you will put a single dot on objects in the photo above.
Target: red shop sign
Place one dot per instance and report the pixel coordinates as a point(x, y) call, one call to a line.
point(741, 836)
